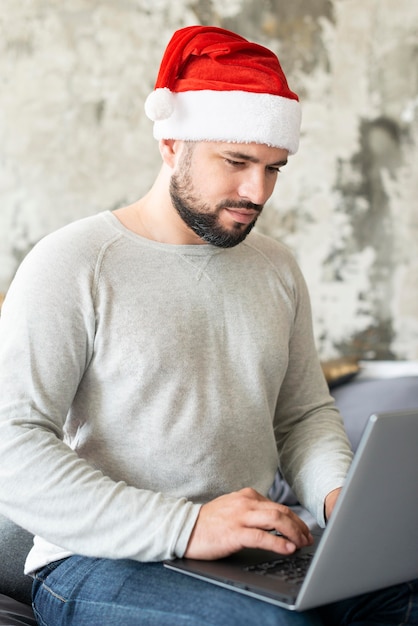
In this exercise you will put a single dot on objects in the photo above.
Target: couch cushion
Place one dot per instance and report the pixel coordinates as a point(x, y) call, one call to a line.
point(15, 544)
point(14, 613)
point(361, 398)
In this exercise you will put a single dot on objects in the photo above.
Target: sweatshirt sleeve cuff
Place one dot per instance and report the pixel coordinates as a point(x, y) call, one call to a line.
point(182, 542)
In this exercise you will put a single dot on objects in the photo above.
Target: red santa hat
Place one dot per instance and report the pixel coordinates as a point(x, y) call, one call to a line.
point(214, 85)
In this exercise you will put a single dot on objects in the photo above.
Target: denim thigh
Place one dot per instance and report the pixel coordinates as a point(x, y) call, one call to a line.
point(82, 591)
point(397, 605)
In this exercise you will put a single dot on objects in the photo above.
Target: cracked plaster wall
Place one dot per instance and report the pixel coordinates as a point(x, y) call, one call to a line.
point(74, 140)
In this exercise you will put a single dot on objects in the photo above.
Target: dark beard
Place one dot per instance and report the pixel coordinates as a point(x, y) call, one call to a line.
point(204, 222)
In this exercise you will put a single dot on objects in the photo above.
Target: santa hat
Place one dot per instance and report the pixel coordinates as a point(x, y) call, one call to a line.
point(214, 85)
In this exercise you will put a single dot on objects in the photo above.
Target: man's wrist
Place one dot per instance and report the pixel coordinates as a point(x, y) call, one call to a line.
point(330, 501)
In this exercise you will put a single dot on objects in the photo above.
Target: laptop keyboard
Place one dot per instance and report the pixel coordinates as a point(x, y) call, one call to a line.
point(289, 569)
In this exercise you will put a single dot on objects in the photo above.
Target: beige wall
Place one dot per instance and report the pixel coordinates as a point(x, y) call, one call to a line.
point(74, 140)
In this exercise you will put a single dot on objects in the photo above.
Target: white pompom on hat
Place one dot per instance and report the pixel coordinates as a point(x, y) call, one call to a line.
point(214, 85)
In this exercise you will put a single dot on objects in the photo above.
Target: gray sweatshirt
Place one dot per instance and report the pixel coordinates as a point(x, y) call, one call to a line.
point(139, 380)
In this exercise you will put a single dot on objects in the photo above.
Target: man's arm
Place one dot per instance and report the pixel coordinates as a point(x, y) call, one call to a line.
point(314, 450)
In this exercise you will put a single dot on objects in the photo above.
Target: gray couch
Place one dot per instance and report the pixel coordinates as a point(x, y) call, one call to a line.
point(357, 399)
point(14, 613)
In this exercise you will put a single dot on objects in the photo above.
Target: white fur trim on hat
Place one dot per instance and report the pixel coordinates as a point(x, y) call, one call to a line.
point(232, 116)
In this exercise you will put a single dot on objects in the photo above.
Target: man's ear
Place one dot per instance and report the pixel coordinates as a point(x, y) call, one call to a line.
point(170, 150)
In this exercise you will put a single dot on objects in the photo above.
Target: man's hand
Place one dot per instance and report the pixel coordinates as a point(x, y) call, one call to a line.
point(330, 502)
point(243, 520)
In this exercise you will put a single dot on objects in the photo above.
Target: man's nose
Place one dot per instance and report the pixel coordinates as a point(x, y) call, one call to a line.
point(255, 188)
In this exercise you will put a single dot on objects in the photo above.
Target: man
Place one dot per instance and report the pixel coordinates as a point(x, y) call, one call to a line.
point(157, 365)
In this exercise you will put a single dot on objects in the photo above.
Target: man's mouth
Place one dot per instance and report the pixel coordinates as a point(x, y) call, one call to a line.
point(242, 216)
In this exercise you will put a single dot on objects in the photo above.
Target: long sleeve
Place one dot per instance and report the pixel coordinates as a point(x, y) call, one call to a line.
point(313, 447)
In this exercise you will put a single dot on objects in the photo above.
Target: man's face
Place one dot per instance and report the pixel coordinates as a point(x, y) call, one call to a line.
point(219, 189)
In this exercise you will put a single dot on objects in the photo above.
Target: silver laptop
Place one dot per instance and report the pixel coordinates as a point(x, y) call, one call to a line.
point(371, 541)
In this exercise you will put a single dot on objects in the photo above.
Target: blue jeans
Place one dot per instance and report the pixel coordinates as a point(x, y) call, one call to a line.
point(81, 591)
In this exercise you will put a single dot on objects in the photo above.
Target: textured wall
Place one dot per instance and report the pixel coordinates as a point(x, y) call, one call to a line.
point(74, 140)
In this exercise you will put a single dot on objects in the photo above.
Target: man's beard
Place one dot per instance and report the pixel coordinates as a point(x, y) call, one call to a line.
point(201, 218)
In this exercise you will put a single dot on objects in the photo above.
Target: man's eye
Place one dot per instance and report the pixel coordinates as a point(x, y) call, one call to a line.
point(234, 163)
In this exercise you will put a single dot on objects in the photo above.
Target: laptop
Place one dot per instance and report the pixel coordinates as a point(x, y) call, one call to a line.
point(371, 541)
